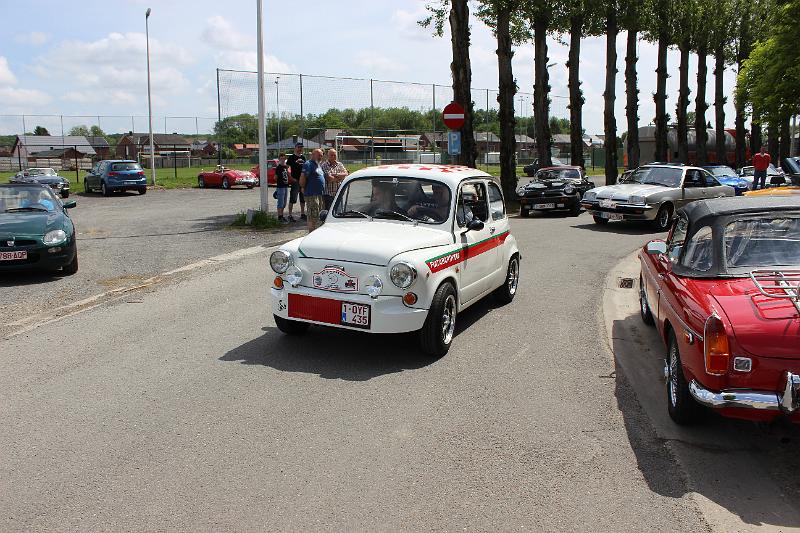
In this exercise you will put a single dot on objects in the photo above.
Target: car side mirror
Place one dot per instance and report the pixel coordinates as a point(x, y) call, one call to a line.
point(69, 204)
point(323, 215)
point(656, 247)
point(475, 225)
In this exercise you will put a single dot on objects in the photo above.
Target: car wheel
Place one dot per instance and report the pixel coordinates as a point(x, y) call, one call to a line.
point(142, 190)
point(290, 327)
point(86, 187)
point(250, 186)
point(682, 407)
point(524, 213)
point(506, 292)
point(600, 220)
point(72, 267)
point(201, 183)
point(225, 183)
point(437, 332)
point(576, 209)
point(64, 194)
point(664, 218)
point(104, 190)
point(644, 305)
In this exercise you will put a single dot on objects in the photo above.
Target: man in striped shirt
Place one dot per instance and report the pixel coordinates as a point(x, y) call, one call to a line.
point(334, 174)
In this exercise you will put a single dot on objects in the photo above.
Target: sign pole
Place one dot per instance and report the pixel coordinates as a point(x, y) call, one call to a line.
point(262, 132)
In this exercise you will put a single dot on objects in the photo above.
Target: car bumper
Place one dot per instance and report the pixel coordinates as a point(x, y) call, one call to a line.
point(786, 400)
point(558, 202)
point(626, 212)
point(41, 258)
point(127, 185)
point(388, 314)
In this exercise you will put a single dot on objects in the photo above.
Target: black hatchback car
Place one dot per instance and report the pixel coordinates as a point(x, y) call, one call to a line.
point(554, 189)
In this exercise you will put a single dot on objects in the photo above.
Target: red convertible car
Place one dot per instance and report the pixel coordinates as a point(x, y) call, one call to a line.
point(724, 293)
point(271, 164)
point(226, 178)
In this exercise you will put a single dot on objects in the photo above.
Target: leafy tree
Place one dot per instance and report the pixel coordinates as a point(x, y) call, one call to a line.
point(96, 131)
point(563, 125)
point(79, 130)
point(40, 130)
point(684, 25)
point(720, 39)
point(634, 16)
point(659, 29)
point(609, 120)
point(705, 12)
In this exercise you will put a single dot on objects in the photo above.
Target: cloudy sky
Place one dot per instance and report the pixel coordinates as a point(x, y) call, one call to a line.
point(88, 58)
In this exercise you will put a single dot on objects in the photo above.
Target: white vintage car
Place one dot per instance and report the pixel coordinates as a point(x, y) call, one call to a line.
point(404, 248)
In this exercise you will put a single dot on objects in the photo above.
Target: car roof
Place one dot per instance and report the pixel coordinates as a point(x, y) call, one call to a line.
point(738, 205)
point(562, 167)
point(118, 161)
point(27, 184)
point(449, 174)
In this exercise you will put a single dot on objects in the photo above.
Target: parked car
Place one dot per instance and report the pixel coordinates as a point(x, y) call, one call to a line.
point(775, 176)
point(115, 175)
point(531, 169)
point(653, 193)
point(271, 164)
point(554, 189)
point(36, 232)
point(226, 178)
point(724, 292)
point(727, 176)
point(45, 176)
point(791, 168)
point(405, 248)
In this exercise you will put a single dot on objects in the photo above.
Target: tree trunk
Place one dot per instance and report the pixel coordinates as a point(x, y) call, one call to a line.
point(742, 55)
point(505, 100)
point(576, 99)
point(785, 143)
point(719, 106)
point(772, 142)
point(756, 139)
point(632, 106)
point(660, 96)
point(610, 95)
point(683, 104)
point(541, 90)
point(461, 70)
point(700, 129)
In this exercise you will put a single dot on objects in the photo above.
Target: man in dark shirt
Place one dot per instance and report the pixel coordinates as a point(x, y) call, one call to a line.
point(281, 185)
point(296, 162)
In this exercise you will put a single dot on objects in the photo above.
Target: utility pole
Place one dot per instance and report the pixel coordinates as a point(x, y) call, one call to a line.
point(262, 132)
point(149, 99)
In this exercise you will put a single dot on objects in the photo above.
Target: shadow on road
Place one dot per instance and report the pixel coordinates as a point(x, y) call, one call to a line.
point(333, 353)
point(35, 277)
point(733, 463)
point(628, 228)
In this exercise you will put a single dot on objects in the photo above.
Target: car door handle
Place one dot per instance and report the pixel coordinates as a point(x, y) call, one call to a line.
point(492, 229)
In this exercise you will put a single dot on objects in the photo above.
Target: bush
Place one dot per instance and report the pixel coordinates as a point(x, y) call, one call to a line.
point(261, 220)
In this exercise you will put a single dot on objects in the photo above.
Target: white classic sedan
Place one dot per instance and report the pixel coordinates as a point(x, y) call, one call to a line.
point(404, 248)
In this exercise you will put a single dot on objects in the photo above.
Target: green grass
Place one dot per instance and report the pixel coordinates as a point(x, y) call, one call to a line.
point(261, 220)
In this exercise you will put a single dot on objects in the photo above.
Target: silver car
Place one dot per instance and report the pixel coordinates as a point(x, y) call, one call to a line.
point(653, 193)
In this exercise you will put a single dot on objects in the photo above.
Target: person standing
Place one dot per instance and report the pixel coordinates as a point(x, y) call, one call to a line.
point(281, 185)
point(761, 163)
point(312, 183)
point(296, 162)
point(334, 174)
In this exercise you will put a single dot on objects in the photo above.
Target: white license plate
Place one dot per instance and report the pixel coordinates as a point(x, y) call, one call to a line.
point(13, 256)
point(610, 216)
point(608, 203)
point(355, 315)
point(544, 206)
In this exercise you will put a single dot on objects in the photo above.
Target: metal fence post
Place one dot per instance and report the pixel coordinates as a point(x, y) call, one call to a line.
point(219, 123)
point(302, 115)
point(77, 166)
point(433, 122)
point(372, 113)
point(62, 126)
point(487, 131)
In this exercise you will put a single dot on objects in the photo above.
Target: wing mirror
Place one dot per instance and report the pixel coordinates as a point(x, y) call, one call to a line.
point(323, 215)
point(656, 247)
point(475, 225)
point(69, 204)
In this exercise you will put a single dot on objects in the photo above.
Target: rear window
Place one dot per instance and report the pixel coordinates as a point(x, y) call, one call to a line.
point(125, 166)
point(763, 242)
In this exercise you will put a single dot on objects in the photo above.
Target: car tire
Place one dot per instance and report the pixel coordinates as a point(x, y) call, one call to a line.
point(142, 190)
point(250, 186)
point(64, 194)
point(682, 408)
point(524, 213)
point(86, 188)
point(505, 293)
point(72, 267)
point(644, 305)
point(290, 327)
point(576, 209)
point(437, 333)
point(105, 191)
point(201, 183)
point(600, 220)
point(663, 219)
point(225, 183)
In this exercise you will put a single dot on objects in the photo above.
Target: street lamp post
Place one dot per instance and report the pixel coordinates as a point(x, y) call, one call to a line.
point(149, 100)
point(262, 132)
point(278, 106)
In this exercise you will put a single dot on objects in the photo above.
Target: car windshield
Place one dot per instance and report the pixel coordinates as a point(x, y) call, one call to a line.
point(125, 166)
point(41, 172)
point(394, 198)
point(721, 171)
point(560, 174)
point(763, 242)
point(27, 199)
point(664, 176)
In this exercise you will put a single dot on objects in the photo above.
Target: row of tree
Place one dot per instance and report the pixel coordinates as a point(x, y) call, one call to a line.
point(728, 31)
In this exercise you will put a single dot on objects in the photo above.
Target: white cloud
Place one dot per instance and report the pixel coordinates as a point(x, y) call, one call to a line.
point(221, 34)
point(23, 99)
point(406, 23)
point(374, 61)
point(6, 76)
point(35, 38)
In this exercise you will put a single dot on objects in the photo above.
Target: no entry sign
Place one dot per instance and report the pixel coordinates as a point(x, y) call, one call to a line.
point(453, 116)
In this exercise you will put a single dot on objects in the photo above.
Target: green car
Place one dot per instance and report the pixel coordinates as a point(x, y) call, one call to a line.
point(36, 232)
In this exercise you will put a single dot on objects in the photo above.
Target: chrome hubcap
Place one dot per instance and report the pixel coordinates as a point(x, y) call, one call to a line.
point(643, 299)
point(448, 319)
point(513, 276)
point(664, 218)
point(673, 375)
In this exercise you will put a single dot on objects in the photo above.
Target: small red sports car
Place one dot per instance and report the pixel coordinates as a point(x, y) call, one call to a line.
point(226, 178)
point(724, 293)
point(271, 164)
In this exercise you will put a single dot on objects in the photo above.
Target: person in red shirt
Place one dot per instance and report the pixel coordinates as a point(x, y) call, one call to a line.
point(761, 163)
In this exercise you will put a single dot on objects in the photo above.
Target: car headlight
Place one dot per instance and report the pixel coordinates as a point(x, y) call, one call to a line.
point(374, 286)
point(294, 276)
point(569, 189)
point(590, 195)
point(403, 275)
point(280, 261)
point(636, 200)
point(55, 237)
point(744, 185)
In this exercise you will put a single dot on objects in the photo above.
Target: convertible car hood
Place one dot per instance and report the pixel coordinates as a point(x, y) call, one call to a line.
point(626, 190)
point(28, 223)
point(374, 242)
point(763, 326)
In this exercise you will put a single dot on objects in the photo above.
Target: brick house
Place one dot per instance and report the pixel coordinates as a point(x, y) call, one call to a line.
point(133, 144)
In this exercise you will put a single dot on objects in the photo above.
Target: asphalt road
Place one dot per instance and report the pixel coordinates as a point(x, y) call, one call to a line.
point(183, 407)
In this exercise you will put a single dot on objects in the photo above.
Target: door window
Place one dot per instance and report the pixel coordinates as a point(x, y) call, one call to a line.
point(699, 250)
point(676, 239)
point(710, 180)
point(496, 206)
point(693, 179)
point(472, 204)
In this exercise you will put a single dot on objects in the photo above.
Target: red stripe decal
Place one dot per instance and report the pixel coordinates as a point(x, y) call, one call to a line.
point(455, 257)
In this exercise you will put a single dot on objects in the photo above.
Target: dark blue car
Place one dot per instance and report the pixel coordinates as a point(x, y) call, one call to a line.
point(727, 176)
point(115, 175)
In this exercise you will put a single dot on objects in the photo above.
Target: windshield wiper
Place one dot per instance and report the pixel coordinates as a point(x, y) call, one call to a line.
point(29, 208)
point(354, 212)
point(395, 213)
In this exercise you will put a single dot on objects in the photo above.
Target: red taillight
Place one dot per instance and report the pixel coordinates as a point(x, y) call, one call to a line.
point(716, 347)
point(140, 173)
point(112, 173)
